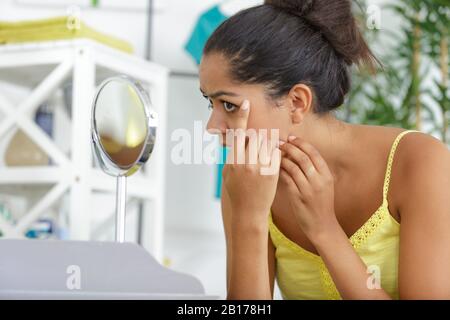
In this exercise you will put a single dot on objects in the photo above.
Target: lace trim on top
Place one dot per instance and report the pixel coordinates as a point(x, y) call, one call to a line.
point(360, 236)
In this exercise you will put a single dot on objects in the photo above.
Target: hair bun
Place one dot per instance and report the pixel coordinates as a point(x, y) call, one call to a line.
point(299, 8)
point(336, 23)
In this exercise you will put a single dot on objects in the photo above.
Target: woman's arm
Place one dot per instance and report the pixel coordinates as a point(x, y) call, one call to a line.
point(249, 268)
point(226, 218)
point(310, 187)
point(425, 220)
point(272, 266)
point(250, 188)
point(349, 272)
point(253, 263)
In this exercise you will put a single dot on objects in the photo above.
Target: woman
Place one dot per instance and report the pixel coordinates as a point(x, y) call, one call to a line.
point(343, 218)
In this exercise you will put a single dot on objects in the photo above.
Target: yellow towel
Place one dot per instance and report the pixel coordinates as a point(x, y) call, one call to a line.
point(57, 28)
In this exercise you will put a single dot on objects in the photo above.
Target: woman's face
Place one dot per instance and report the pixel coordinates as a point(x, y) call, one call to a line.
point(227, 96)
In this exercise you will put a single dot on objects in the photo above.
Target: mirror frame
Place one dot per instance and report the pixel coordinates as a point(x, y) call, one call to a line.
point(106, 163)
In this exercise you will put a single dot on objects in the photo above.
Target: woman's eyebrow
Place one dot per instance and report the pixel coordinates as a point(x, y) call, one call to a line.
point(219, 93)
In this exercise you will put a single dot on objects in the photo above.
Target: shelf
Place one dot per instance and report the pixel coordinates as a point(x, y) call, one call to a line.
point(18, 67)
point(30, 175)
point(99, 180)
point(47, 67)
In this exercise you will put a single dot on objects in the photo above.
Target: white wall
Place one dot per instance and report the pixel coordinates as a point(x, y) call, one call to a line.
point(190, 188)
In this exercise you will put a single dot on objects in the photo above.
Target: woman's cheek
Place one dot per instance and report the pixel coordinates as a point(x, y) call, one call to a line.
point(268, 123)
point(257, 121)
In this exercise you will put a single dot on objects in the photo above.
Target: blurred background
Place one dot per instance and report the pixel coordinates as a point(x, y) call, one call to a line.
point(54, 52)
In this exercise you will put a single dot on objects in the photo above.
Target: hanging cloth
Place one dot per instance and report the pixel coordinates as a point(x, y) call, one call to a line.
point(206, 24)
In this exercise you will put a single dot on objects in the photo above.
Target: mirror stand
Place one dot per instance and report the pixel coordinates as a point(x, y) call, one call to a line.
point(123, 134)
point(121, 200)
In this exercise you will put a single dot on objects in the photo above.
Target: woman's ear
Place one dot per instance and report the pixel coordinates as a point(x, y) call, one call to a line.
point(300, 98)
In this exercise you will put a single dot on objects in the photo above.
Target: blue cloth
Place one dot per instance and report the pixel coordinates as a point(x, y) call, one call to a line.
point(206, 24)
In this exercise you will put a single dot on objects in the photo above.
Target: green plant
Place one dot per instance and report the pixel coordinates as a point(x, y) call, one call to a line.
point(401, 93)
point(436, 28)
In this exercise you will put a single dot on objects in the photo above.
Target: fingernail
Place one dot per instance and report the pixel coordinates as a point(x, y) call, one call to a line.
point(292, 138)
point(245, 105)
point(281, 143)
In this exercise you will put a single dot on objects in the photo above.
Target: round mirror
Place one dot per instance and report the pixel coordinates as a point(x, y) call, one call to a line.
point(123, 134)
point(123, 126)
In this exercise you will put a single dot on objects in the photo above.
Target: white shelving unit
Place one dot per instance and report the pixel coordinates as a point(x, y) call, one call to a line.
point(46, 67)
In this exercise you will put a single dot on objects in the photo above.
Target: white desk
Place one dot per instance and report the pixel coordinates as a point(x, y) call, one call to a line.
point(41, 269)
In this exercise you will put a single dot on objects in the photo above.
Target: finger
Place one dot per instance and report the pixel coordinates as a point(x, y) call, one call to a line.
point(275, 162)
point(242, 114)
point(316, 158)
point(237, 135)
point(252, 149)
point(295, 173)
point(281, 143)
point(265, 151)
point(301, 159)
point(287, 179)
point(236, 140)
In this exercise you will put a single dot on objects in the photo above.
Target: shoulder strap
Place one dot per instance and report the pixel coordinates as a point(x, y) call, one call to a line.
point(387, 176)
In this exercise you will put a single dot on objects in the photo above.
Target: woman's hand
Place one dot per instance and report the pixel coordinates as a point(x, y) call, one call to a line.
point(251, 172)
point(250, 178)
point(310, 185)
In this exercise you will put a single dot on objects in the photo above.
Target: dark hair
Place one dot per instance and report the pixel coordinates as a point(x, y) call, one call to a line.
point(286, 42)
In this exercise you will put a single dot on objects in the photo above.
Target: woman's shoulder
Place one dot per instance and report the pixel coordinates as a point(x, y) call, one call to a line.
point(419, 150)
point(418, 156)
point(421, 162)
point(413, 149)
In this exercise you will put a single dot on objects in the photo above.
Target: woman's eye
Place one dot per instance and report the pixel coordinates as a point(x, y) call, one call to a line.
point(229, 107)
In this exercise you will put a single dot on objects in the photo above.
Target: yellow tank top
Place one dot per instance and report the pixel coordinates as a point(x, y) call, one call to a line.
point(301, 274)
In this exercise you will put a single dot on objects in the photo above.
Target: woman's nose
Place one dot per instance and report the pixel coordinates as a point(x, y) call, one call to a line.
point(215, 125)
